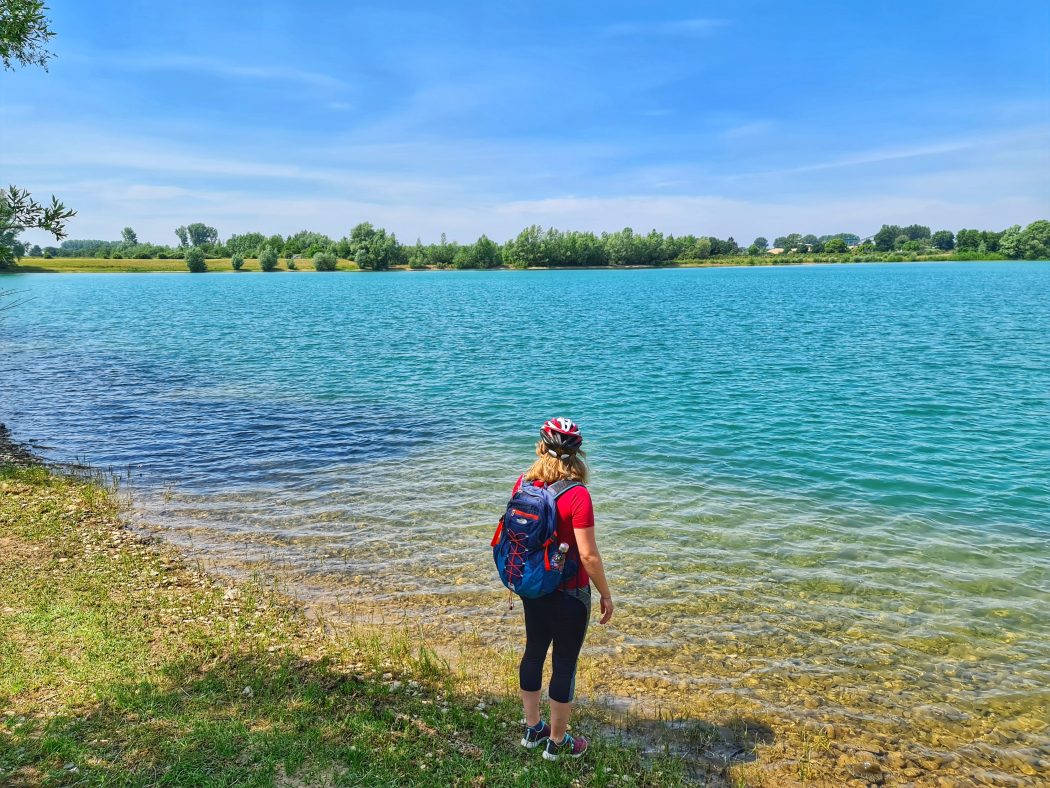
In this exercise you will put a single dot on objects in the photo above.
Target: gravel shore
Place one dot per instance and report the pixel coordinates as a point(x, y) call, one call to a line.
point(16, 453)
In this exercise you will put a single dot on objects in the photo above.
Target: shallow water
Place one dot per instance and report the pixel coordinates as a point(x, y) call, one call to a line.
point(822, 491)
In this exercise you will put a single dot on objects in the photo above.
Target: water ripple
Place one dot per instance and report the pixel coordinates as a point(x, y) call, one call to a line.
point(815, 482)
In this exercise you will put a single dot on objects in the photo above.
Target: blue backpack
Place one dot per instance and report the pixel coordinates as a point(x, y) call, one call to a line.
point(525, 544)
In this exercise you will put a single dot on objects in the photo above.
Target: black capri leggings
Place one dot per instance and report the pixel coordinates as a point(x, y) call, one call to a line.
point(560, 617)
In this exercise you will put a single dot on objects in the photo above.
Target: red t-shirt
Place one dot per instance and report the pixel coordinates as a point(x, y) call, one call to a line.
point(574, 511)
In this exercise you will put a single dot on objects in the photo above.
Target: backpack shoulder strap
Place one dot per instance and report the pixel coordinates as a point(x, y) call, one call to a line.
point(559, 488)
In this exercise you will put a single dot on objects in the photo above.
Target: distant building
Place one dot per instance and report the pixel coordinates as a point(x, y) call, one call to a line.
point(775, 250)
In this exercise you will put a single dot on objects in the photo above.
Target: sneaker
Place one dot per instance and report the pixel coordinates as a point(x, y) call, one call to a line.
point(571, 747)
point(534, 737)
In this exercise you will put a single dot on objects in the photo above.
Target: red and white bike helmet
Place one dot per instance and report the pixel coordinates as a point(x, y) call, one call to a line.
point(562, 437)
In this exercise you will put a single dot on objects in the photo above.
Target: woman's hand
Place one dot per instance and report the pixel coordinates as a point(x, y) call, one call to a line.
point(606, 605)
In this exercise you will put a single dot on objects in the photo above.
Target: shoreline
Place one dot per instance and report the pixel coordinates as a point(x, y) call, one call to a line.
point(133, 666)
point(783, 746)
point(15, 453)
point(90, 265)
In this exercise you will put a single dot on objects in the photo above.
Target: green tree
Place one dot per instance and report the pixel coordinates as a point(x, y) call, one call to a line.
point(990, 240)
point(20, 212)
point(195, 261)
point(237, 262)
point(487, 253)
point(886, 238)
point(442, 254)
point(374, 249)
point(483, 253)
point(183, 236)
point(943, 240)
point(1031, 243)
point(850, 239)
point(917, 232)
point(835, 246)
point(200, 234)
point(584, 249)
point(726, 248)
point(247, 244)
point(268, 259)
point(696, 249)
point(307, 243)
point(417, 256)
point(325, 261)
point(623, 247)
point(553, 248)
point(527, 248)
point(1037, 240)
point(24, 33)
point(968, 240)
point(130, 238)
point(761, 243)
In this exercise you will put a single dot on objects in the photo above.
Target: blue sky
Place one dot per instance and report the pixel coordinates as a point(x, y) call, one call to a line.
point(724, 118)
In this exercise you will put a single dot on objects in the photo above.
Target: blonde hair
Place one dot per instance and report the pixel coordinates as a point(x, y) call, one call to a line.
point(550, 469)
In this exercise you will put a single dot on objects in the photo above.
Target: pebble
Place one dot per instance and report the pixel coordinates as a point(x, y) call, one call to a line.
point(932, 763)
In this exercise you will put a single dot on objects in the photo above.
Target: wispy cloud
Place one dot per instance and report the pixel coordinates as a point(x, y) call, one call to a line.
point(749, 130)
point(884, 155)
point(696, 26)
point(1028, 139)
point(228, 69)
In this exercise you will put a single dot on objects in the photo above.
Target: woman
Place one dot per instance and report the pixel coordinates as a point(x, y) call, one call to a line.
point(561, 617)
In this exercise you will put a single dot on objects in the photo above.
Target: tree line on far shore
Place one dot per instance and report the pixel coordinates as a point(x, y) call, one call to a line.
point(373, 248)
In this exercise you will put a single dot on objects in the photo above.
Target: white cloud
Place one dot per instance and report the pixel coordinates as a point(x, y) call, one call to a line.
point(672, 27)
point(226, 69)
point(748, 130)
point(466, 186)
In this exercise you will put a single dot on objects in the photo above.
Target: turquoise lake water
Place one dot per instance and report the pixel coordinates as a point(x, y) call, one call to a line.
point(827, 481)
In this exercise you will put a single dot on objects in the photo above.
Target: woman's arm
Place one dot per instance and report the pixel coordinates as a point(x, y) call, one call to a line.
point(592, 562)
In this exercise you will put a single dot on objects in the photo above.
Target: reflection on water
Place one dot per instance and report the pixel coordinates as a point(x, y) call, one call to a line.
point(822, 493)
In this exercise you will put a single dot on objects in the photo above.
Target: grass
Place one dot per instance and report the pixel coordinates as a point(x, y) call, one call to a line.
point(98, 265)
point(122, 665)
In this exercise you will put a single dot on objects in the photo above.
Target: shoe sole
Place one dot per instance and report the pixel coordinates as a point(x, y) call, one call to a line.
point(549, 757)
point(532, 745)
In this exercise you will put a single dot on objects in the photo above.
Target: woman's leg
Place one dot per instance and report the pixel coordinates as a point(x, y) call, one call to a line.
point(570, 627)
point(560, 713)
point(539, 631)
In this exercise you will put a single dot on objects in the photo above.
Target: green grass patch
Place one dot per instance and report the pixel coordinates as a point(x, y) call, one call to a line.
point(98, 265)
point(122, 665)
